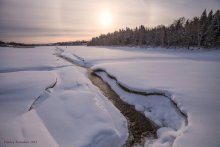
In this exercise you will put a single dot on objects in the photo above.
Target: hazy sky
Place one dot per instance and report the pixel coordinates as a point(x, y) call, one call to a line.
point(43, 21)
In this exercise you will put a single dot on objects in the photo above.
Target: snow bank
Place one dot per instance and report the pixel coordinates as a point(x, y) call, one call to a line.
point(158, 108)
point(73, 113)
point(77, 114)
point(19, 128)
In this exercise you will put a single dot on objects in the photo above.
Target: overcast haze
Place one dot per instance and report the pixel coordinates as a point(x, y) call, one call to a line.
point(44, 21)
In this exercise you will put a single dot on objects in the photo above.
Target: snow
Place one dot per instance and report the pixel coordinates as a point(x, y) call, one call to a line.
point(86, 118)
point(19, 89)
point(157, 108)
point(14, 59)
point(75, 113)
point(72, 113)
point(191, 78)
point(25, 130)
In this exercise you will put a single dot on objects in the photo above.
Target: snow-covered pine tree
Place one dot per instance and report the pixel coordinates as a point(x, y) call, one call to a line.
point(203, 24)
point(214, 30)
point(209, 32)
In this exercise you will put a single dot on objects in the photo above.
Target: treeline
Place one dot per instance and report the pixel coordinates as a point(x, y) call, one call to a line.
point(16, 44)
point(71, 43)
point(203, 31)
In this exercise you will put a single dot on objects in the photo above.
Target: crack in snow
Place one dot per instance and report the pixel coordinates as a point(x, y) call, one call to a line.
point(43, 96)
point(38, 68)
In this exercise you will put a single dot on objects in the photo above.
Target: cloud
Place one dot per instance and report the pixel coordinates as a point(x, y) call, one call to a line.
point(79, 19)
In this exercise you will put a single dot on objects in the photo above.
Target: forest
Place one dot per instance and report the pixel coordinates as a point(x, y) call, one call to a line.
point(200, 32)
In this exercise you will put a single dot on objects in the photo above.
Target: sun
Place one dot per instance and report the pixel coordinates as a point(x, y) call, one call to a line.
point(105, 18)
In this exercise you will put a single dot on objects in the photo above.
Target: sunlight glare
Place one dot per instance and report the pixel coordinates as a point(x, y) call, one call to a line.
point(105, 18)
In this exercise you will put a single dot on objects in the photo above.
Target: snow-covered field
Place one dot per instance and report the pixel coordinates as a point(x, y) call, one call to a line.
point(75, 113)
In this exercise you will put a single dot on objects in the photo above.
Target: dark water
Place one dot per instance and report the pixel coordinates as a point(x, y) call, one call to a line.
point(139, 126)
